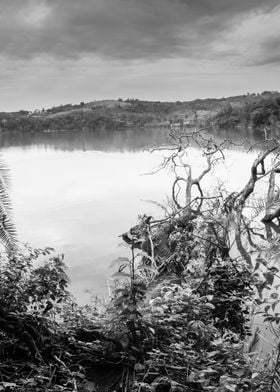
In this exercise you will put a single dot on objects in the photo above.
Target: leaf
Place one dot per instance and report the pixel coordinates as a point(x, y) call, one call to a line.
point(131, 308)
point(269, 278)
point(119, 260)
point(261, 260)
point(209, 305)
point(212, 354)
point(151, 269)
point(230, 387)
point(120, 275)
point(145, 254)
point(238, 372)
point(7, 385)
point(80, 375)
point(269, 318)
point(209, 371)
point(124, 342)
point(254, 375)
point(257, 266)
point(120, 300)
point(123, 245)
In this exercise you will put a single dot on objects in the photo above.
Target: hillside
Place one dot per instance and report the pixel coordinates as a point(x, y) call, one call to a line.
point(251, 110)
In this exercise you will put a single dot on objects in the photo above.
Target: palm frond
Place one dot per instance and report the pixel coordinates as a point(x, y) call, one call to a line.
point(8, 235)
point(259, 206)
point(275, 383)
point(266, 206)
point(4, 172)
point(4, 196)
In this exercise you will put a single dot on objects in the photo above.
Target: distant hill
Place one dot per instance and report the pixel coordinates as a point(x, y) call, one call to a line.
point(251, 110)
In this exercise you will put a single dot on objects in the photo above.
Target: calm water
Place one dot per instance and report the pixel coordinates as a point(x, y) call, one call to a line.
point(77, 192)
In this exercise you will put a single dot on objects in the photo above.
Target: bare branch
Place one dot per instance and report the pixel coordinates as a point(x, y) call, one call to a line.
point(174, 194)
point(240, 198)
point(196, 181)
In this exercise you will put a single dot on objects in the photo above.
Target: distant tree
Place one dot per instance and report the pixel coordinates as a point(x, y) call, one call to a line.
point(4, 122)
point(24, 112)
point(277, 100)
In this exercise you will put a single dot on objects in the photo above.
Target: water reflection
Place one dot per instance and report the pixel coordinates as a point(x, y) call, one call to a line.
point(110, 140)
point(105, 140)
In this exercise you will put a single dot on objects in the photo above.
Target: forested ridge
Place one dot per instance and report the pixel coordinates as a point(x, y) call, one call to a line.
point(251, 110)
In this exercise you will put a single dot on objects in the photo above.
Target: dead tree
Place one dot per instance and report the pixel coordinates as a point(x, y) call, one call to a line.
point(189, 206)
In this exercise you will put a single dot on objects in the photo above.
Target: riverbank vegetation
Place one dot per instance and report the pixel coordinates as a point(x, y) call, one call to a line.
point(251, 110)
point(179, 316)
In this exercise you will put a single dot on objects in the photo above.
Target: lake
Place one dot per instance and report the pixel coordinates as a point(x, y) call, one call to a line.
point(78, 191)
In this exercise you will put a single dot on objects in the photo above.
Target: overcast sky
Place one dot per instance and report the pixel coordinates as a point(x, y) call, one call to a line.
point(66, 51)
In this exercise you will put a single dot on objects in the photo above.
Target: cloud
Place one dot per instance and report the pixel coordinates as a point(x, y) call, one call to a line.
point(268, 52)
point(253, 41)
point(271, 51)
point(122, 29)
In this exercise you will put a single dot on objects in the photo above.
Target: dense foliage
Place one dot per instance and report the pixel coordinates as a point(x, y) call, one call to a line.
point(180, 325)
point(258, 114)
